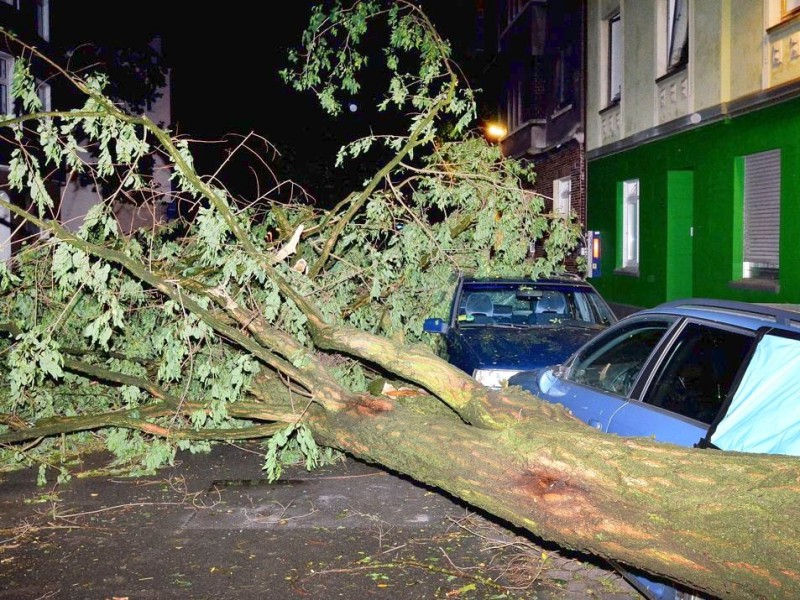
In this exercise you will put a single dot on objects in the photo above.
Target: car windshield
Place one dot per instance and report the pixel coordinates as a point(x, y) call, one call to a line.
point(531, 305)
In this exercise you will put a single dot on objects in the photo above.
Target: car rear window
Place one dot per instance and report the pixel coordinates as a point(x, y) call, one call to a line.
point(764, 415)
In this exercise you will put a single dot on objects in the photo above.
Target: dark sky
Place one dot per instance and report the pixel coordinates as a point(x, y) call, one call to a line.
point(222, 55)
point(225, 60)
point(226, 84)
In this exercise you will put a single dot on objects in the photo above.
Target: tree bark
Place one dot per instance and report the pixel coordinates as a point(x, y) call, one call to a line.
point(714, 521)
point(724, 523)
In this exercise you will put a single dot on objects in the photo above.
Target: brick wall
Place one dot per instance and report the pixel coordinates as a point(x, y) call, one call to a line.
point(539, 90)
point(564, 161)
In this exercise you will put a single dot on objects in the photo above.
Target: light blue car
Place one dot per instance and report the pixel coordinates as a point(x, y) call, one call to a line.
point(696, 373)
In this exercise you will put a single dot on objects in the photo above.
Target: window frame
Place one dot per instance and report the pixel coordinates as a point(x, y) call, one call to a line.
point(518, 303)
point(42, 18)
point(790, 8)
point(608, 343)
point(6, 78)
point(5, 230)
point(563, 74)
point(514, 103)
point(630, 226)
point(672, 60)
point(614, 58)
point(694, 347)
point(562, 197)
point(760, 210)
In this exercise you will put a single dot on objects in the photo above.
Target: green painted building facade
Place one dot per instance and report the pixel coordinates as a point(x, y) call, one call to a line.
point(693, 149)
point(691, 195)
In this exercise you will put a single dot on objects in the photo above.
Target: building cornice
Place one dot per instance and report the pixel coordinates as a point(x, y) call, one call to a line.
point(720, 112)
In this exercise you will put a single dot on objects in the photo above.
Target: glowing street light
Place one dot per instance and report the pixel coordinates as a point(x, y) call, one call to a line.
point(495, 132)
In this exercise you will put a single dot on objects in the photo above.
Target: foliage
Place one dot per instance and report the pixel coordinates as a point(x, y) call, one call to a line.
point(279, 321)
point(168, 337)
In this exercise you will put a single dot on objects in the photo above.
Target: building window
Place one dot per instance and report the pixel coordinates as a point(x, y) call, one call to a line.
point(514, 104)
point(43, 19)
point(5, 230)
point(790, 6)
point(560, 80)
point(677, 34)
point(630, 225)
point(762, 215)
point(6, 73)
point(563, 75)
point(562, 197)
point(614, 58)
point(43, 91)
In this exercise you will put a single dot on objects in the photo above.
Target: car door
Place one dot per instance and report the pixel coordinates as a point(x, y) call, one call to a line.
point(687, 384)
point(598, 381)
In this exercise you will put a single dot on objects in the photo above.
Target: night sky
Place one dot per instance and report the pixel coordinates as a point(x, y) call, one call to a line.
point(225, 61)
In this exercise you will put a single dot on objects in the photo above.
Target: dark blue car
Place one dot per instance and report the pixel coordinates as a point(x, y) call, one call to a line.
point(696, 373)
point(499, 327)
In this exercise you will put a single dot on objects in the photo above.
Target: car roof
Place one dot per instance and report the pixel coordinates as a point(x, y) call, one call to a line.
point(561, 279)
point(748, 315)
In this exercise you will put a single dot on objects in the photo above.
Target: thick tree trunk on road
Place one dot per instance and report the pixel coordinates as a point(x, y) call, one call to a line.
point(683, 513)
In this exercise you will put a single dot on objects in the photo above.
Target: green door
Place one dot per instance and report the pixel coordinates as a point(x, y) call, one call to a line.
point(680, 234)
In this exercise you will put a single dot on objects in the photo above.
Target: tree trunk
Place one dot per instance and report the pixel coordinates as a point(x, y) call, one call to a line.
point(682, 513)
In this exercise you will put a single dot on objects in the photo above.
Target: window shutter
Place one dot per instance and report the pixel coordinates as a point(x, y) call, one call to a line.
point(762, 204)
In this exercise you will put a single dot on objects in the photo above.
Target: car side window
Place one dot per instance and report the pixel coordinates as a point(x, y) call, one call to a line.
point(698, 371)
point(612, 361)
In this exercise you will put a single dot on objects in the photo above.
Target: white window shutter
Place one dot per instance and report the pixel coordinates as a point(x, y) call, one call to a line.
point(762, 206)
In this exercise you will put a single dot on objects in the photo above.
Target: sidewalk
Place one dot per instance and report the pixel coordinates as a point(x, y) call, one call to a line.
point(212, 527)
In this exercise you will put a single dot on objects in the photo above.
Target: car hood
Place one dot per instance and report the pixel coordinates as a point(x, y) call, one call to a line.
point(522, 348)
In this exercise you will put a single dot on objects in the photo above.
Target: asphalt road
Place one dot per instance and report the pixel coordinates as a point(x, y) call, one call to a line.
point(212, 527)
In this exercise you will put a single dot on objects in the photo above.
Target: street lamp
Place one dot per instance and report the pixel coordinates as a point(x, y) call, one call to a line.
point(495, 132)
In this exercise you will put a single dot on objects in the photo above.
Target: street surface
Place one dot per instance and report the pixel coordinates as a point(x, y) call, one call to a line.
point(212, 527)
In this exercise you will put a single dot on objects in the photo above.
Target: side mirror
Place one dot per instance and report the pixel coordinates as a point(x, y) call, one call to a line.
point(434, 326)
point(546, 381)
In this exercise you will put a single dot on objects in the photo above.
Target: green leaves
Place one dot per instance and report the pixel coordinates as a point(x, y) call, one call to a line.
point(23, 86)
point(333, 59)
point(186, 323)
point(24, 175)
point(34, 358)
point(289, 445)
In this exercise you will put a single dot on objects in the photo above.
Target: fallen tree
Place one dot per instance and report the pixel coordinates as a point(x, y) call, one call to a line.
point(274, 319)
